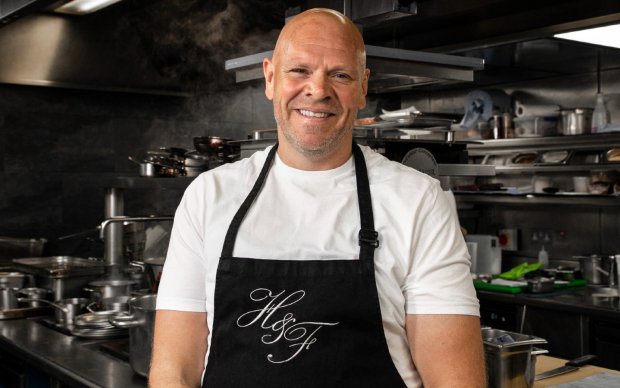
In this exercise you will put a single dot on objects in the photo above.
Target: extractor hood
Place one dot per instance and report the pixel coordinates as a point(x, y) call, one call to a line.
point(11, 10)
point(391, 69)
point(14, 9)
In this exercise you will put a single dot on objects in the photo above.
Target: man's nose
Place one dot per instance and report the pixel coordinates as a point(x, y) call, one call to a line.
point(318, 86)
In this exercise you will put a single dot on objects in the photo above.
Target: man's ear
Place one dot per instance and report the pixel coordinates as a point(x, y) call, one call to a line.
point(362, 102)
point(268, 72)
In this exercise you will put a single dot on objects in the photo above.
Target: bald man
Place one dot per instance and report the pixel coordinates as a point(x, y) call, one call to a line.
point(317, 262)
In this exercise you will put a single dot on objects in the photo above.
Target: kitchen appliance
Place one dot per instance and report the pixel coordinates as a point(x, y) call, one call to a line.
point(488, 254)
point(510, 358)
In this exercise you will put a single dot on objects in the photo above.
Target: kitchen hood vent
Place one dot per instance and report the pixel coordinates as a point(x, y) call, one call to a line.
point(391, 69)
point(370, 13)
point(12, 10)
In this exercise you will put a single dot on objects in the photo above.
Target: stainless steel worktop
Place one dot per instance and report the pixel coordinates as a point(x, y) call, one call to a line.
point(580, 300)
point(67, 359)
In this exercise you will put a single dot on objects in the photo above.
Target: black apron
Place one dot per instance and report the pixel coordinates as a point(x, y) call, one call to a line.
point(296, 324)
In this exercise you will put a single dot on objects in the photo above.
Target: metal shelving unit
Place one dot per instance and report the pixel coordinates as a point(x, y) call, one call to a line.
point(586, 153)
point(537, 199)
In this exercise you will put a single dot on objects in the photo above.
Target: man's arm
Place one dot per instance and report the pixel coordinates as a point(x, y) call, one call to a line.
point(447, 350)
point(179, 348)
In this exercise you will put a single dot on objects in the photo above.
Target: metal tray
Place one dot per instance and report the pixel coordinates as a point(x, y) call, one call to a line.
point(60, 266)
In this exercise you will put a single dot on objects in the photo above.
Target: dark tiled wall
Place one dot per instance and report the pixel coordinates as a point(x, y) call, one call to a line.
point(56, 145)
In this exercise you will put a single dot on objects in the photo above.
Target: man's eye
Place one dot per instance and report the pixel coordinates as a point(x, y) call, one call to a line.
point(343, 76)
point(298, 70)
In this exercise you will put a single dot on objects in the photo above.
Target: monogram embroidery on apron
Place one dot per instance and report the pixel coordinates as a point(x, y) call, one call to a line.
point(281, 325)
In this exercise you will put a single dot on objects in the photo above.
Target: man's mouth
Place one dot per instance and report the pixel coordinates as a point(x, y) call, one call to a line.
point(314, 115)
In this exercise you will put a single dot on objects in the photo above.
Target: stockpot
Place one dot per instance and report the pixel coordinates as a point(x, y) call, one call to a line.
point(101, 289)
point(8, 299)
point(140, 322)
point(577, 121)
point(595, 269)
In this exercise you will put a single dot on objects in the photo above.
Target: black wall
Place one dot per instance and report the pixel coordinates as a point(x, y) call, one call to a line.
point(57, 145)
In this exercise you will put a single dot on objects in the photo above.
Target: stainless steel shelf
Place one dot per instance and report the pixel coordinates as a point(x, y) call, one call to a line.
point(551, 143)
point(466, 170)
point(500, 170)
point(538, 199)
point(138, 182)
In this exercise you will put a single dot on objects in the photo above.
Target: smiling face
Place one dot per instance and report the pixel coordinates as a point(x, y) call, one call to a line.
point(317, 82)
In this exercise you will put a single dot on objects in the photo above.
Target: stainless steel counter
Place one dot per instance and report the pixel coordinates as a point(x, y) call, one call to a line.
point(73, 361)
point(580, 300)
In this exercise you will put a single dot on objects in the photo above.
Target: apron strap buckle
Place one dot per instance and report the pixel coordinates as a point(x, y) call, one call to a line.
point(369, 237)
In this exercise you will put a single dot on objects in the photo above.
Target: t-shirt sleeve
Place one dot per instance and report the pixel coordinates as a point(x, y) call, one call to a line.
point(182, 286)
point(438, 279)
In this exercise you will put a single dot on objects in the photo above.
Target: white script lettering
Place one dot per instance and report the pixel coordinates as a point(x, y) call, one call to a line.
point(279, 324)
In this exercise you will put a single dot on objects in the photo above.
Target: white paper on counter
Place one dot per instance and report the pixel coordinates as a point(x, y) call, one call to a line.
point(599, 380)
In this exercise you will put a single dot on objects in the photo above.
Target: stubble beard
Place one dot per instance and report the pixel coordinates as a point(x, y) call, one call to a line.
point(315, 152)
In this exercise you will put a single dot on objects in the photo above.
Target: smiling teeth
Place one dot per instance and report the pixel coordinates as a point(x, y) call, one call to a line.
point(313, 114)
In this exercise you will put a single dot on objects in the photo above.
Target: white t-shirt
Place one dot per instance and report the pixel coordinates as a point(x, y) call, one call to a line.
point(421, 265)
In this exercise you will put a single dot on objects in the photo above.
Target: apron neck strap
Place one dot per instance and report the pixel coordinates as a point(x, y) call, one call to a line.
point(368, 237)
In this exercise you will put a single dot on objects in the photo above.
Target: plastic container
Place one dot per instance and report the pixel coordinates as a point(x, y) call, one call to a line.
point(543, 257)
point(600, 116)
point(535, 126)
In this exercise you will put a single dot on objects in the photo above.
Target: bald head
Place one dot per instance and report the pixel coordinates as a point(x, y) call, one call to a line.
point(316, 22)
point(318, 81)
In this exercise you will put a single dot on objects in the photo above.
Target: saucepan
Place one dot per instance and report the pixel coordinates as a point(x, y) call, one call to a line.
point(34, 294)
point(65, 310)
point(146, 168)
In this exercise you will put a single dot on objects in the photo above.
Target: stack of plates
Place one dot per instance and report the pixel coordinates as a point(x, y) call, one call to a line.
point(97, 325)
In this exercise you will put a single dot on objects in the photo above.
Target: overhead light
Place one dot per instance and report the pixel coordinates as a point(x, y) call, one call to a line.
point(83, 7)
point(603, 36)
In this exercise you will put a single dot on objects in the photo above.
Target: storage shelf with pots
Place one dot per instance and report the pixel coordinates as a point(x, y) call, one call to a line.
point(546, 170)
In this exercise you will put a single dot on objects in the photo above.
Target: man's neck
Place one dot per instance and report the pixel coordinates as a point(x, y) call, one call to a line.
point(295, 159)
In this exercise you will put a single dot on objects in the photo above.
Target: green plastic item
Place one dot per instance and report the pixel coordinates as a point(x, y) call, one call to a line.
point(519, 271)
point(498, 287)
